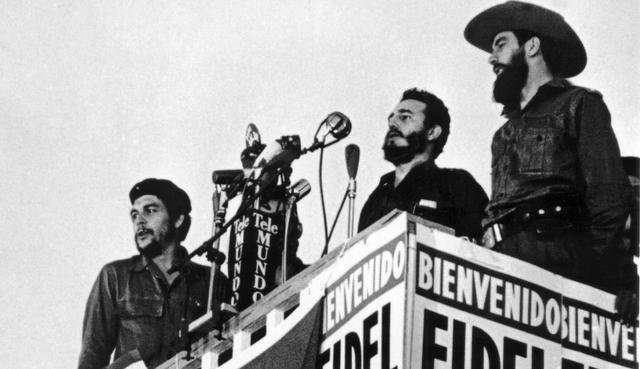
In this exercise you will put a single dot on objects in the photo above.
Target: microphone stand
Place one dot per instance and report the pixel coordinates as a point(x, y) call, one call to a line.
point(219, 211)
point(287, 219)
point(352, 197)
point(211, 319)
point(208, 321)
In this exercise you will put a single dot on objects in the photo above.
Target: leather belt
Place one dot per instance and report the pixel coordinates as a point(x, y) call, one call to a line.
point(544, 220)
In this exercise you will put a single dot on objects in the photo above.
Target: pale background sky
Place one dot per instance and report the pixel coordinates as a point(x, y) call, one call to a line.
point(97, 95)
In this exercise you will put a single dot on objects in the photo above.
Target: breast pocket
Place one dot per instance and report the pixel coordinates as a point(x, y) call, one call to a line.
point(139, 324)
point(539, 146)
point(137, 315)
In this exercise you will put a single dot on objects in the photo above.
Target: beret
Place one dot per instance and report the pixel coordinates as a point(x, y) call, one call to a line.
point(174, 198)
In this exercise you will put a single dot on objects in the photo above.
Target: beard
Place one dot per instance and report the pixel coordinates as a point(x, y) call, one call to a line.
point(507, 88)
point(155, 247)
point(417, 143)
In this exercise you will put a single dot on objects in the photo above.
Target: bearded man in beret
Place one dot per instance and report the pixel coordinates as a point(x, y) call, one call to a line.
point(560, 196)
point(136, 307)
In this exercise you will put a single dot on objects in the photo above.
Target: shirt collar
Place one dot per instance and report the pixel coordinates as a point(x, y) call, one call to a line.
point(415, 173)
point(140, 262)
point(544, 92)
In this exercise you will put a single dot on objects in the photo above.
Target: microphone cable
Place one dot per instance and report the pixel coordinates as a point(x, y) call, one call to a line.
point(324, 210)
point(335, 221)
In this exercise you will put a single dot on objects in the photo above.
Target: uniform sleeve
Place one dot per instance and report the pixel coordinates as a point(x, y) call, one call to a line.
point(607, 190)
point(100, 325)
point(471, 202)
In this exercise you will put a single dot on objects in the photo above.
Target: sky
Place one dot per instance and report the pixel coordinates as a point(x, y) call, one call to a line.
point(98, 95)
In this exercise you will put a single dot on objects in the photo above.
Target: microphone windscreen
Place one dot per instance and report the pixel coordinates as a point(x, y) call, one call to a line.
point(352, 155)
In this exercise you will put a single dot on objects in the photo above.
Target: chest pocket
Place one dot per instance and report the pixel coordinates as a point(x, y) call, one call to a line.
point(539, 146)
point(132, 308)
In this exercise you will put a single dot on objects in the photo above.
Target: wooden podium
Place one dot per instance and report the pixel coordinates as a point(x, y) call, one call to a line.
point(406, 293)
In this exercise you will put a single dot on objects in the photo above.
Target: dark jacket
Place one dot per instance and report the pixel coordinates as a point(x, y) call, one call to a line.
point(459, 200)
point(562, 143)
point(131, 306)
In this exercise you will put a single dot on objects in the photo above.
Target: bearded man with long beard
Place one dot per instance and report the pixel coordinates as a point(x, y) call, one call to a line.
point(136, 306)
point(418, 131)
point(560, 196)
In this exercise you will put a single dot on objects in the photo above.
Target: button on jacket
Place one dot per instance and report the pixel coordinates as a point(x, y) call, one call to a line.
point(131, 306)
point(459, 199)
point(562, 142)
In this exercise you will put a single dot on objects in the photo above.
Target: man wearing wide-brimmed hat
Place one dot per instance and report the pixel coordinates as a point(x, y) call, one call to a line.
point(136, 307)
point(560, 196)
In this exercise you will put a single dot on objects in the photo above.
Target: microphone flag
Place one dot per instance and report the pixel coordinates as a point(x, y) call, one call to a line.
point(255, 250)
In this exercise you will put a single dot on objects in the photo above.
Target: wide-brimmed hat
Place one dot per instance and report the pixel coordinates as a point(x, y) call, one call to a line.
point(517, 15)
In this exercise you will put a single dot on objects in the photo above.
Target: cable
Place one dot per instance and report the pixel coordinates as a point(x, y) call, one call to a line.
point(335, 221)
point(324, 210)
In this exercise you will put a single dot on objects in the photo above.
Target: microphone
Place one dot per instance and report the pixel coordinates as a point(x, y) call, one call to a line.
point(335, 124)
point(252, 136)
point(298, 190)
point(295, 193)
point(274, 160)
point(231, 181)
point(253, 146)
point(352, 156)
point(227, 176)
point(278, 154)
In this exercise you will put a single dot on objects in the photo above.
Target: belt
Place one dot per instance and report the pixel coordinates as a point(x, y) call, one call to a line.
point(544, 220)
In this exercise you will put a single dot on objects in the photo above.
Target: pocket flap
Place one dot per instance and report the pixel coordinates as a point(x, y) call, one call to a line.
point(139, 307)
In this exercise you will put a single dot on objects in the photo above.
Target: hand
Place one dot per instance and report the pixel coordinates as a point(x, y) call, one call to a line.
point(488, 240)
point(626, 307)
point(127, 359)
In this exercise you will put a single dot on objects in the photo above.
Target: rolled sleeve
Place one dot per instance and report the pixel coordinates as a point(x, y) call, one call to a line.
point(100, 325)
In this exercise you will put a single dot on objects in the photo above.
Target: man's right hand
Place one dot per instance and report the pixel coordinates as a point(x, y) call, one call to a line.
point(488, 240)
point(627, 307)
point(130, 360)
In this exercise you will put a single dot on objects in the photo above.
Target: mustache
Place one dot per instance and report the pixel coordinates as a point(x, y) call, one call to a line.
point(392, 132)
point(143, 230)
point(502, 66)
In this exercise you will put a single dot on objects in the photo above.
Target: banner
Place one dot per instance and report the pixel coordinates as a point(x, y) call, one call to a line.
point(364, 304)
point(493, 311)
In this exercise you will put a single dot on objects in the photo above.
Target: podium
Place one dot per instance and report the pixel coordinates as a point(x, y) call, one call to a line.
point(406, 293)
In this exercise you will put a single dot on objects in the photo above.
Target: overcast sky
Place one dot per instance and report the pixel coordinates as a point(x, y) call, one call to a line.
point(97, 95)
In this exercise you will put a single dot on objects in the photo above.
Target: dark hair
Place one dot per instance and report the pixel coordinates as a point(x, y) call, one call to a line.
point(184, 227)
point(435, 113)
point(173, 197)
point(548, 47)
